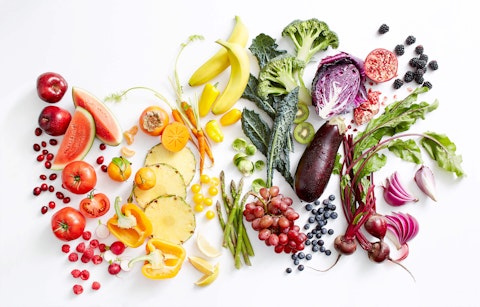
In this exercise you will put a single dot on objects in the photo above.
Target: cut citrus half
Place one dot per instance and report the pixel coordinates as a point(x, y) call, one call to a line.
point(209, 278)
point(206, 248)
point(202, 265)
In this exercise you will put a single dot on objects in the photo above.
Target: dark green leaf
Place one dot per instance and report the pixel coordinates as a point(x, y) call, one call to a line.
point(442, 149)
point(256, 130)
point(250, 93)
point(406, 150)
point(264, 48)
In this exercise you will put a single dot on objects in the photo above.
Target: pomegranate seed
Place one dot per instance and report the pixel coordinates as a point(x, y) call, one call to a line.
point(51, 188)
point(86, 235)
point(49, 157)
point(76, 273)
point(38, 131)
point(52, 176)
point(60, 195)
point(44, 144)
point(44, 187)
point(51, 205)
point(80, 247)
point(77, 289)
point(53, 142)
point(95, 285)
point(73, 257)
point(102, 146)
point(104, 168)
point(45, 151)
point(43, 177)
point(100, 160)
point(48, 164)
point(40, 158)
point(66, 200)
point(84, 275)
point(36, 147)
point(44, 209)
point(37, 191)
point(66, 248)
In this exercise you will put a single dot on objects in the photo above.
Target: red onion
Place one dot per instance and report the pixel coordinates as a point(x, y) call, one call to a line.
point(425, 181)
point(401, 228)
point(394, 193)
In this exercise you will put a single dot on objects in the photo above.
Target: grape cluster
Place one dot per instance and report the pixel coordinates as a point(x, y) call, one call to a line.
point(273, 216)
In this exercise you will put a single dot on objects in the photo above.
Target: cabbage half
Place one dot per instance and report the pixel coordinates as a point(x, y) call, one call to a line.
point(339, 85)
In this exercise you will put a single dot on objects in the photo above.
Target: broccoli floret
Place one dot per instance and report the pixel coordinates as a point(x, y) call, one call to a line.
point(279, 76)
point(309, 37)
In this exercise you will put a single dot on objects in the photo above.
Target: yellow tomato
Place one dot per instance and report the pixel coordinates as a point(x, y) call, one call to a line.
point(119, 169)
point(145, 178)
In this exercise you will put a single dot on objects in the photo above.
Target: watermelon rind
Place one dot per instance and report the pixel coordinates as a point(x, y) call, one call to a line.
point(108, 129)
point(77, 140)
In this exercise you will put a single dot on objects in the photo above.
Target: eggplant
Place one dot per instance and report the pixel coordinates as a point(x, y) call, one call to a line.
point(317, 161)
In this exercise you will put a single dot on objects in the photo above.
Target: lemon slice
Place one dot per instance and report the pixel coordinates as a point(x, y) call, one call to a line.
point(208, 278)
point(202, 265)
point(206, 248)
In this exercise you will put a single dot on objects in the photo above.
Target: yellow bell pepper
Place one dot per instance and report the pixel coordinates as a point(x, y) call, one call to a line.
point(129, 224)
point(163, 259)
point(231, 117)
point(213, 131)
point(207, 98)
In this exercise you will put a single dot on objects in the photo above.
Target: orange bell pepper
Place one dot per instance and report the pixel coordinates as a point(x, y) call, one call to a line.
point(129, 224)
point(163, 259)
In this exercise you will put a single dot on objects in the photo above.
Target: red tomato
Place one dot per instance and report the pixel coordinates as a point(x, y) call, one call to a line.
point(68, 224)
point(94, 205)
point(79, 177)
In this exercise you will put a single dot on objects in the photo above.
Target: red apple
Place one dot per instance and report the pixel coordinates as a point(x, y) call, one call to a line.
point(51, 87)
point(54, 120)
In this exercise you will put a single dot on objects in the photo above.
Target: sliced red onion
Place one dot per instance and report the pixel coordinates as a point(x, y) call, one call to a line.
point(394, 193)
point(401, 228)
point(426, 181)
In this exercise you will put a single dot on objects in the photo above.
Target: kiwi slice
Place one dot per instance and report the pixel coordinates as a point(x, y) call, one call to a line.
point(302, 113)
point(304, 132)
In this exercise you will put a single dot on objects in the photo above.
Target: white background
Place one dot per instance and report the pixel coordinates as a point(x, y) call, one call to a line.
point(108, 46)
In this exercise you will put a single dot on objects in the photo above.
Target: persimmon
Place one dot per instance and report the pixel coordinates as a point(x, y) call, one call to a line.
point(153, 120)
point(175, 136)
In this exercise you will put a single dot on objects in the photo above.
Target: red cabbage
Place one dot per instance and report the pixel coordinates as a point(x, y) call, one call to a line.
point(339, 85)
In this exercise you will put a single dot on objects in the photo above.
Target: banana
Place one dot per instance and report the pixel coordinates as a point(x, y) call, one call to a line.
point(219, 61)
point(239, 76)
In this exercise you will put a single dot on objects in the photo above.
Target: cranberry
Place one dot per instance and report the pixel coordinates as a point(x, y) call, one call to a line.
point(66, 200)
point(38, 131)
point(36, 147)
point(44, 187)
point(51, 205)
point(44, 209)
point(45, 151)
point(44, 144)
point(37, 191)
point(60, 195)
point(100, 160)
point(104, 168)
point(50, 156)
point(51, 188)
point(102, 146)
point(48, 164)
point(40, 158)
point(43, 177)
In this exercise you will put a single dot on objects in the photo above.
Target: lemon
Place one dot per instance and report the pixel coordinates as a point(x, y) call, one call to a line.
point(202, 265)
point(209, 278)
point(206, 248)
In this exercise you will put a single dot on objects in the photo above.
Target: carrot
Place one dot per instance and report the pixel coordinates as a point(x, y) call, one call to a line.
point(190, 113)
point(177, 116)
point(175, 136)
point(203, 148)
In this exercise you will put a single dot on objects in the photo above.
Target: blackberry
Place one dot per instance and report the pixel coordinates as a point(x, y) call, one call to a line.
point(397, 84)
point(383, 29)
point(423, 57)
point(427, 84)
point(409, 76)
point(421, 64)
point(399, 49)
point(419, 79)
point(410, 40)
point(418, 72)
point(433, 65)
point(419, 49)
point(413, 62)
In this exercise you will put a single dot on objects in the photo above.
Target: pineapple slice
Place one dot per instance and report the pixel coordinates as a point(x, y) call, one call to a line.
point(169, 181)
point(184, 160)
point(172, 218)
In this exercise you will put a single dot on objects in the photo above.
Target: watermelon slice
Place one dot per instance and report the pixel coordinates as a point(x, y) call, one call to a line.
point(78, 139)
point(107, 127)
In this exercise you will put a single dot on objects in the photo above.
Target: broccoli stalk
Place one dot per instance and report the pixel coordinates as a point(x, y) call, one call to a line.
point(309, 37)
point(279, 77)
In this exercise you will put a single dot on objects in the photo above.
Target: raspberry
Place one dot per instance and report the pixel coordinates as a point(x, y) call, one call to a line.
point(433, 65)
point(399, 49)
point(87, 255)
point(86, 235)
point(97, 259)
point(76, 273)
point(77, 289)
point(80, 247)
point(73, 257)
point(383, 29)
point(95, 285)
point(94, 243)
point(66, 248)
point(410, 40)
point(84, 275)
